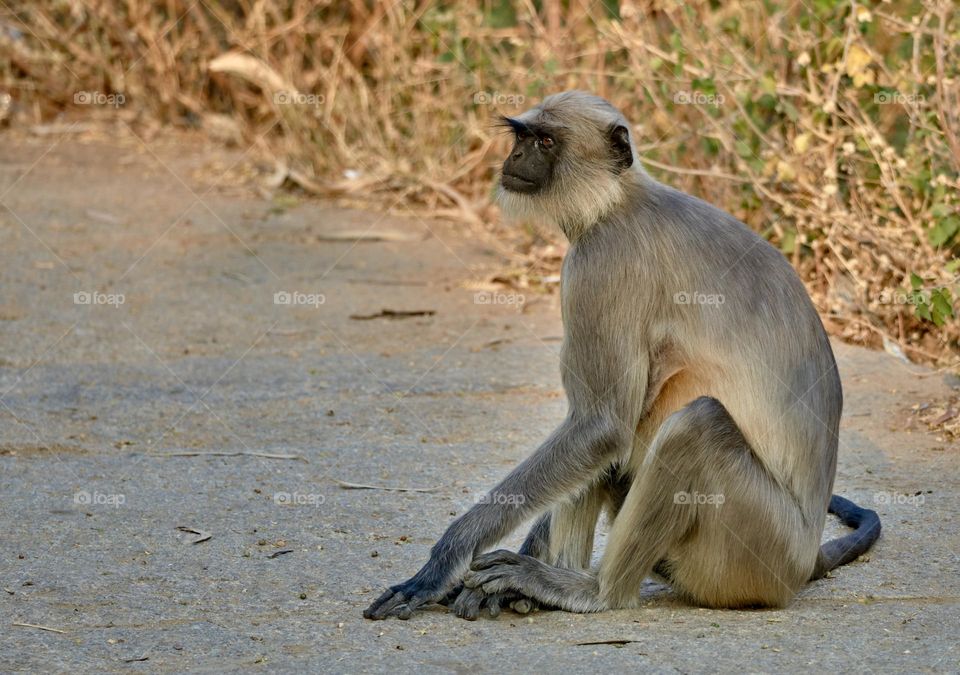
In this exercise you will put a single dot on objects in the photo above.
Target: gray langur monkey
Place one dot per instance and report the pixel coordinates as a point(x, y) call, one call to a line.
point(704, 402)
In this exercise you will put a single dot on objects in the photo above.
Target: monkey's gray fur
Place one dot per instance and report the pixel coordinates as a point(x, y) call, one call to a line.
point(704, 402)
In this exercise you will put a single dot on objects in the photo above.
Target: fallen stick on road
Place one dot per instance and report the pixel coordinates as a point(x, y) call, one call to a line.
point(39, 627)
point(360, 486)
point(203, 536)
point(268, 455)
point(393, 314)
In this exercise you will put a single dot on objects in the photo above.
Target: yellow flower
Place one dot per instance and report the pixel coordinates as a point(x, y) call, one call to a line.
point(857, 66)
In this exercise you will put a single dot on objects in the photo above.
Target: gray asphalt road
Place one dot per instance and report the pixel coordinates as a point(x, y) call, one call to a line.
point(138, 321)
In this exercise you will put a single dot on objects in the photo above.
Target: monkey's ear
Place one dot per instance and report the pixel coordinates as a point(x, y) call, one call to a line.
point(620, 143)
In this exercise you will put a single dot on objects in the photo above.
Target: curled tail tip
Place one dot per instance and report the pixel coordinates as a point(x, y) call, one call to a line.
point(840, 551)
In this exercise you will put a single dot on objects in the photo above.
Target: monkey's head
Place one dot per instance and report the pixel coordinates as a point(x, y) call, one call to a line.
point(571, 162)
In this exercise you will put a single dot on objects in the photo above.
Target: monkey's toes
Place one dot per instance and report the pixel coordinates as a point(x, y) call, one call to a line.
point(468, 603)
point(472, 601)
point(523, 605)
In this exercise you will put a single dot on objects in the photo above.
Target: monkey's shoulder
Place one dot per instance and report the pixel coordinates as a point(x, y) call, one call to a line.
point(701, 233)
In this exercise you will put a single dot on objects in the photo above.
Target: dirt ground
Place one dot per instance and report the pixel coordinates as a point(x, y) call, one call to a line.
point(140, 331)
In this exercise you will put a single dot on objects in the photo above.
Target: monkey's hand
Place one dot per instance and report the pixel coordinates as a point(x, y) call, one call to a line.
point(468, 603)
point(426, 586)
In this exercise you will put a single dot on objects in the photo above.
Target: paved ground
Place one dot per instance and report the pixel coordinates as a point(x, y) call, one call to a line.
point(198, 359)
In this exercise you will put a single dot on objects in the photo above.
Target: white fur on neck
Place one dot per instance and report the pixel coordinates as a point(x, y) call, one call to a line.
point(573, 204)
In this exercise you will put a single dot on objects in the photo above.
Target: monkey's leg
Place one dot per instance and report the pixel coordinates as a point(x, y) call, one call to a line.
point(736, 547)
point(705, 509)
point(572, 528)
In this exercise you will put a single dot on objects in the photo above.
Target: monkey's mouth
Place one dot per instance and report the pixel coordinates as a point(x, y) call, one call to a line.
point(515, 183)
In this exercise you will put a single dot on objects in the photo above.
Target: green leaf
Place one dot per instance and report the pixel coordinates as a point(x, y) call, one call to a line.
point(943, 232)
point(941, 210)
point(790, 110)
point(612, 8)
point(940, 299)
point(501, 15)
point(712, 147)
point(705, 85)
point(767, 102)
point(789, 241)
point(915, 281)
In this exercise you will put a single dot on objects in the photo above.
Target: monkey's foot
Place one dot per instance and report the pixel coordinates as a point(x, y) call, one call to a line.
point(503, 572)
point(470, 602)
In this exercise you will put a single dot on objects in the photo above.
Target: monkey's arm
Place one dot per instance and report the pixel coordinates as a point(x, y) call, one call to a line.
point(571, 457)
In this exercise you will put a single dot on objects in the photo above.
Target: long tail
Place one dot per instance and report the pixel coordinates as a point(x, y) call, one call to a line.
point(866, 530)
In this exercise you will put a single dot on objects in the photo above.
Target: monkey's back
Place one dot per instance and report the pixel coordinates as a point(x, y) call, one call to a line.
point(733, 316)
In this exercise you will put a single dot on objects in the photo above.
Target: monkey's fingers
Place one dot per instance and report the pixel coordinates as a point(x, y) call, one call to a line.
point(404, 612)
point(451, 597)
point(498, 579)
point(501, 557)
point(385, 604)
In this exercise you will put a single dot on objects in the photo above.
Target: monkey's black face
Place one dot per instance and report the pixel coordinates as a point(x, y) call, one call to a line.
point(529, 168)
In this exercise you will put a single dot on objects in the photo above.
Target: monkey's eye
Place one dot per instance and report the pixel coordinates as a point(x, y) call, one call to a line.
point(546, 142)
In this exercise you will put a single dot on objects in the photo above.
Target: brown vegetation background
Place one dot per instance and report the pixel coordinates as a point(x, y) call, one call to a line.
point(832, 128)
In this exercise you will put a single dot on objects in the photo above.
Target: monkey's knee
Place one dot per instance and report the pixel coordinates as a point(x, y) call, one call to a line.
point(704, 416)
point(691, 434)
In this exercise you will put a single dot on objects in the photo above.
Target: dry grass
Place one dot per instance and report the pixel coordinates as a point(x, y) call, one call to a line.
point(830, 127)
